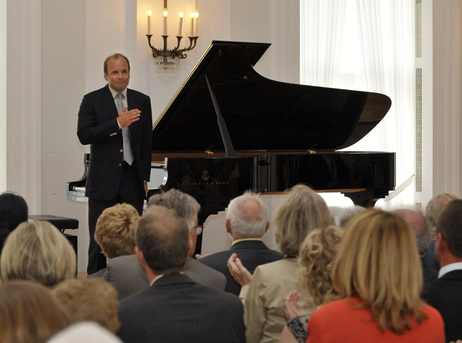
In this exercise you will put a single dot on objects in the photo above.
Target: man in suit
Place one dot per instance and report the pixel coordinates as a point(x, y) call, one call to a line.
point(175, 308)
point(246, 223)
point(433, 209)
point(117, 123)
point(125, 273)
point(445, 293)
point(418, 224)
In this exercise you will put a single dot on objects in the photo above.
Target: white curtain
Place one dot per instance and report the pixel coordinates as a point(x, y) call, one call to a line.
point(367, 45)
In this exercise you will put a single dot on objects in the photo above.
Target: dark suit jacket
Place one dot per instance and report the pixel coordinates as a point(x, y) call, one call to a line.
point(445, 294)
point(251, 253)
point(128, 278)
point(177, 309)
point(97, 125)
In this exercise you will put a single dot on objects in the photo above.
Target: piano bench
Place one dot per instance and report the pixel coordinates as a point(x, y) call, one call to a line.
point(61, 223)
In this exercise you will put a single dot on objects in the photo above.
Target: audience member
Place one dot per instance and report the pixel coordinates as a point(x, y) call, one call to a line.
point(419, 227)
point(37, 251)
point(88, 332)
point(378, 276)
point(90, 300)
point(434, 207)
point(29, 313)
point(115, 233)
point(125, 273)
point(317, 255)
point(347, 213)
point(246, 223)
point(445, 293)
point(175, 308)
point(301, 211)
point(13, 211)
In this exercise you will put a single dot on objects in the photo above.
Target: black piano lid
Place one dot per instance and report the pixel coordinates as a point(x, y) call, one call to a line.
point(261, 114)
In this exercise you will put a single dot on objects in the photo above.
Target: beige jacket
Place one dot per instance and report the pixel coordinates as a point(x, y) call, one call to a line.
point(264, 300)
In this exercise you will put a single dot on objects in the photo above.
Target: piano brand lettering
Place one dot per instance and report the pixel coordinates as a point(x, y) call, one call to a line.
point(206, 183)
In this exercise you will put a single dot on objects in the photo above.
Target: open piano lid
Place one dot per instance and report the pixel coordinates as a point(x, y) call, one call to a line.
point(261, 114)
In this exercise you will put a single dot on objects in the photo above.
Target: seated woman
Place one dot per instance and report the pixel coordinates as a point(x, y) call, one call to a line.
point(37, 251)
point(317, 255)
point(377, 274)
point(92, 299)
point(29, 313)
point(301, 211)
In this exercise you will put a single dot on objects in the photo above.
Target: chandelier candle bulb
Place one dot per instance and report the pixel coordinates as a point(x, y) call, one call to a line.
point(192, 23)
point(180, 29)
point(196, 16)
point(149, 22)
point(165, 21)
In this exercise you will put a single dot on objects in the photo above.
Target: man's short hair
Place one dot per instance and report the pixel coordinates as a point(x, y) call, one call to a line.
point(115, 230)
point(13, 211)
point(115, 56)
point(436, 205)
point(245, 222)
point(92, 299)
point(449, 224)
point(185, 205)
point(162, 236)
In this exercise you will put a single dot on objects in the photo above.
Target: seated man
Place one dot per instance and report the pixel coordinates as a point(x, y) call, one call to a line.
point(419, 227)
point(246, 223)
point(115, 233)
point(175, 308)
point(433, 209)
point(125, 273)
point(444, 293)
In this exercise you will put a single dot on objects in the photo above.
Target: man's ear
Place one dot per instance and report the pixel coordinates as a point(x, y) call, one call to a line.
point(140, 258)
point(106, 77)
point(267, 226)
point(441, 246)
point(228, 226)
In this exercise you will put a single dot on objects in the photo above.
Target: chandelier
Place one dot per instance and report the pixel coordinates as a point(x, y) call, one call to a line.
point(177, 52)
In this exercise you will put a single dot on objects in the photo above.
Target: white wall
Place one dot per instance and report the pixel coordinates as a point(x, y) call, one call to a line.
point(447, 124)
point(3, 44)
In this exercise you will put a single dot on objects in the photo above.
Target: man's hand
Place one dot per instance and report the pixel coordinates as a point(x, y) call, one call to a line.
point(238, 271)
point(145, 187)
point(126, 118)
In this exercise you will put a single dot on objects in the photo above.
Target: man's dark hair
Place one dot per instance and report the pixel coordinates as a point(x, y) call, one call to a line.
point(117, 55)
point(449, 224)
point(162, 236)
point(13, 211)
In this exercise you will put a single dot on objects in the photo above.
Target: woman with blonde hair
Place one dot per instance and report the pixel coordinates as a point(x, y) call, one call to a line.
point(29, 313)
point(377, 274)
point(301, 211)
point(317, 255)
point(37, 251)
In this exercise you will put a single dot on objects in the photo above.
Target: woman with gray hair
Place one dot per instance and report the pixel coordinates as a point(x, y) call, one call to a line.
point(37, 251)
point(301, 211)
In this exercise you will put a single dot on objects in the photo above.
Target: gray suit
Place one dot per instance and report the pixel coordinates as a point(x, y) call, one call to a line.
point(177, 309)
point(126, 275)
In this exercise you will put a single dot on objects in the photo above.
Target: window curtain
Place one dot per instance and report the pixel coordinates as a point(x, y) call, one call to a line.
point(368, 45)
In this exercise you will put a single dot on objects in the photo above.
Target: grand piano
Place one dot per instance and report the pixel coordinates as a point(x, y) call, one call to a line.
point(228, 129)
